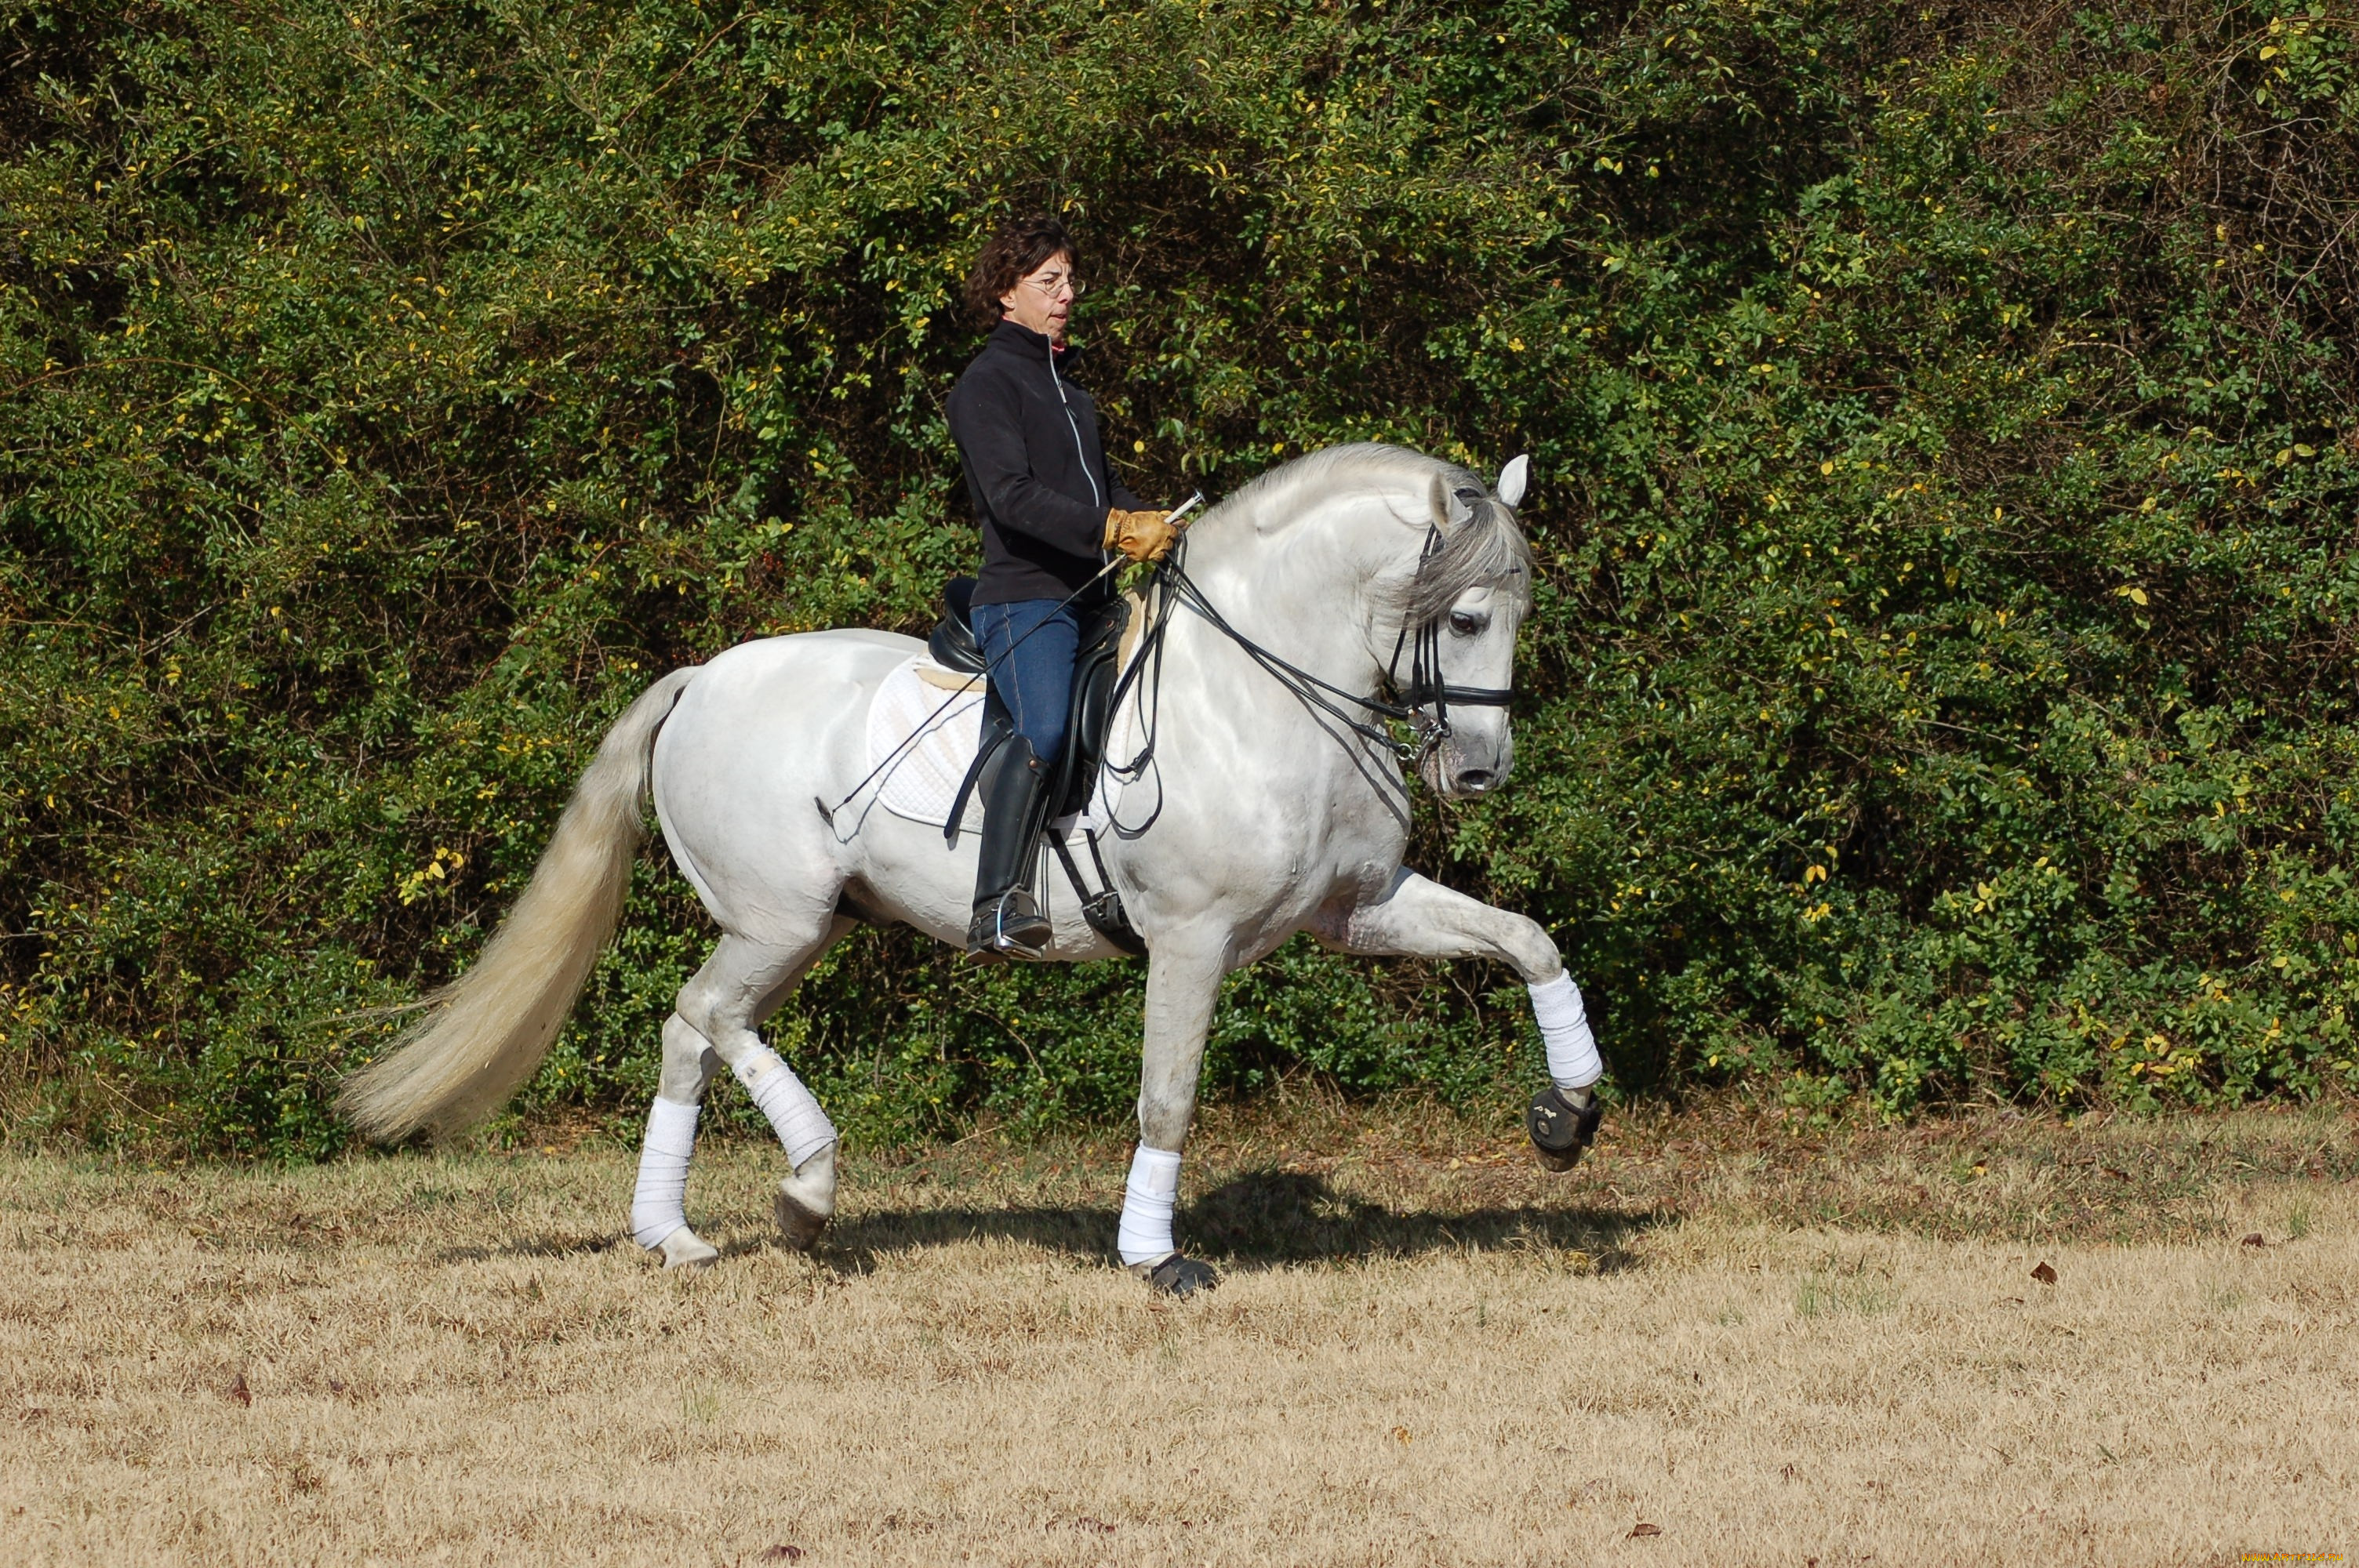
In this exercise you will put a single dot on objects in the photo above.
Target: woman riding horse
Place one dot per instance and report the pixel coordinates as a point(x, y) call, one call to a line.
point(1051, 514)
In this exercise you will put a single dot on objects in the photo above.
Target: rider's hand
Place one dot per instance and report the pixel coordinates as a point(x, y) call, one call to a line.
point(1141, 536)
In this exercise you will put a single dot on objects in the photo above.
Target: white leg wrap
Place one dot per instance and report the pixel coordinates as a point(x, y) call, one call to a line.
point(1573, 1056)
point(657, 1207)
point(1147, 1206)
point(794, 1114)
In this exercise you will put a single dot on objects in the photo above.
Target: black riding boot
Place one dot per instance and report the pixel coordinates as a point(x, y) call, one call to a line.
point(1014, 788)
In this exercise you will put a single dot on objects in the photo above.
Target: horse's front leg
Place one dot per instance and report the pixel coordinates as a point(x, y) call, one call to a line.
point(1418, 918)
point(1183, 982)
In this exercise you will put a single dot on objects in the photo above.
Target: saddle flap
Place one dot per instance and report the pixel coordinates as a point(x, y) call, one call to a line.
point(1096, 668)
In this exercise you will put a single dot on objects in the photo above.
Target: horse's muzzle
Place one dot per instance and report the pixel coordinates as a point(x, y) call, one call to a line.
point(1466, 772)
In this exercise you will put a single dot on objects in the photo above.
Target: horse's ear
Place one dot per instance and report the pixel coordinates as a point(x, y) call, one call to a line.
point(1510, 488)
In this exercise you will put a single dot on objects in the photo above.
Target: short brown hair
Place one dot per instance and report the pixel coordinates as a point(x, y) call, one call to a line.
point(1013, 254)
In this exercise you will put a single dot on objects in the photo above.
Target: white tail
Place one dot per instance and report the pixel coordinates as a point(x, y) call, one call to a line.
point(492, 1024)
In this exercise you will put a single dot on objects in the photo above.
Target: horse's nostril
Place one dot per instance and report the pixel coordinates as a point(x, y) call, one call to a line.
point(1475, 781)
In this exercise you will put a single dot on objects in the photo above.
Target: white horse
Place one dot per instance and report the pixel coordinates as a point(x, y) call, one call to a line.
point(1272, 804)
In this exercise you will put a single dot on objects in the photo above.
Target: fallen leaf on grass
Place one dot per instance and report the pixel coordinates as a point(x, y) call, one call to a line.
point(1400, 1434)
point(1638, 1530)
point(780, 1553)
point(2044, 1275)
point(239, 1391)
point(2253, 1240)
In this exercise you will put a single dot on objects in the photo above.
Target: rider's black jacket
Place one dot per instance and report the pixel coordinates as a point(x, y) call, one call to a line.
point(1035, 470)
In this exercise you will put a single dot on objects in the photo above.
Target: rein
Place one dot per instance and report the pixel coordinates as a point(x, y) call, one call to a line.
point(1173, 586)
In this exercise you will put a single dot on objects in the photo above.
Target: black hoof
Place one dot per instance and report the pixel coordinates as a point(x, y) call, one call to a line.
point(1181, 1277)
point(1561, 1131)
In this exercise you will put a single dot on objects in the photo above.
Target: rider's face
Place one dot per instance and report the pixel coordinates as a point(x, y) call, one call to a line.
point(1042, 298)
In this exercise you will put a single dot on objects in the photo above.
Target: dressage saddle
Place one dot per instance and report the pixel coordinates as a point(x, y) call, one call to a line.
point(1096, 669)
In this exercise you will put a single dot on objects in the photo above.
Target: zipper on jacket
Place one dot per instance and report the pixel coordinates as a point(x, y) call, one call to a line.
point(1074, 426)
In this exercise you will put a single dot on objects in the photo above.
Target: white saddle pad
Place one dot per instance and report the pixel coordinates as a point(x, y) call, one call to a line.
point(923, 728)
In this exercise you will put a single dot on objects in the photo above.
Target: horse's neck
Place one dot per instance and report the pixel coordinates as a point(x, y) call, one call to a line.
point(1307, 590)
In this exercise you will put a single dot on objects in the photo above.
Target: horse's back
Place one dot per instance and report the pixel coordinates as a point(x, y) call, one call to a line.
point(808, 692)
point(792, 675)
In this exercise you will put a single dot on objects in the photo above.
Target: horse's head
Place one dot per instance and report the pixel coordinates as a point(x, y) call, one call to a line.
point(1472, 590)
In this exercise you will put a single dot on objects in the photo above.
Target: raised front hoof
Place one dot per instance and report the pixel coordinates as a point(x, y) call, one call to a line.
point(1176, 1276)
point(1561, 1131)
point(799, 1225)
point(684, 1249)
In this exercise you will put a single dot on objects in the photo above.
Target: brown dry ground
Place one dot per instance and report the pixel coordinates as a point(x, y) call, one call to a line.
point(1771, 1343)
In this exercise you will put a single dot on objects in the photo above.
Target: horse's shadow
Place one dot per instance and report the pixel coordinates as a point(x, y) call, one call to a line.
point(1259, 1220)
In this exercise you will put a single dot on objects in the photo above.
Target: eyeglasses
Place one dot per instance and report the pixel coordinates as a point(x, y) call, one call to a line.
point(1051, 286)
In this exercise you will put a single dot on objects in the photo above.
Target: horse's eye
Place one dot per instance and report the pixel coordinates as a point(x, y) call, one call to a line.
point(1467, 623)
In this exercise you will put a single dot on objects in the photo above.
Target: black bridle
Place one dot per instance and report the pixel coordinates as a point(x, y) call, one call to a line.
point(1426, 687)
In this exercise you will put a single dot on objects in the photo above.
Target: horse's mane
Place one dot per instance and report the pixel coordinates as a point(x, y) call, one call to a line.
point(1487, 550)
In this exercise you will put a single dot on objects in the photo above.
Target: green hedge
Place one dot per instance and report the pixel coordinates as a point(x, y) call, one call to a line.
point(1944, 415)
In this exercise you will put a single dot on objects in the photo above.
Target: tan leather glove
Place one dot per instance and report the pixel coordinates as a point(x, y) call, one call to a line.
point(1141, 536)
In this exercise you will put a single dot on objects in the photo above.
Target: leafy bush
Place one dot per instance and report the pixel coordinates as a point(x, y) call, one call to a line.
point(1944, 417)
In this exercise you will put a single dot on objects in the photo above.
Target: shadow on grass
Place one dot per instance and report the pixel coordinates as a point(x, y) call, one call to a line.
point(567, 1244)
point(1260, 1219)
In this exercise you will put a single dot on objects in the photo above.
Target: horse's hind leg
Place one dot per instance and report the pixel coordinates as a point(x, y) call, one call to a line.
point(713, 1025)
point(725, 1002)
point(658, 1216)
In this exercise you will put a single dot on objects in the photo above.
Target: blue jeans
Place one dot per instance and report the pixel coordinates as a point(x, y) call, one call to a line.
point(1034, 678)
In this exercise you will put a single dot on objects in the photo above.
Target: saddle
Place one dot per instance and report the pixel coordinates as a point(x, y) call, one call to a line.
point(1097, 667)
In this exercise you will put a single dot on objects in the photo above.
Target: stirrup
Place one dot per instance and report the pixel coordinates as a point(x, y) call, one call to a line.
point(1012, 924)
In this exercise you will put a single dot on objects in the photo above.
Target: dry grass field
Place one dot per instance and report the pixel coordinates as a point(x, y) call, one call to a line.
point(1729, 1339)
